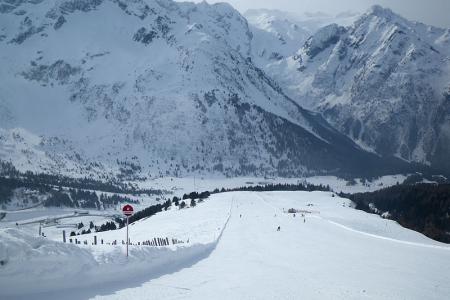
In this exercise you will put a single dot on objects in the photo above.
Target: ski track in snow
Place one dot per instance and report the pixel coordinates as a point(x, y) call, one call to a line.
point(383, 237)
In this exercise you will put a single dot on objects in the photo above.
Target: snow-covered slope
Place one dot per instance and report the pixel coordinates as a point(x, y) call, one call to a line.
point(236, 252)
point(384, 82)
point(52, 265)
point(157, 88)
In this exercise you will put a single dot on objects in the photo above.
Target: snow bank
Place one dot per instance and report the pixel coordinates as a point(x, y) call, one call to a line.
point(42, 265)
point(31, 265)
point(33, 260)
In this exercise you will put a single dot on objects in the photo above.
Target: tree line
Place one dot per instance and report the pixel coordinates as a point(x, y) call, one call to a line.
point(304, 186)
point(421, 207)
point(54, 185)
point(154, 209)
point(38, 180)
point(121, 222)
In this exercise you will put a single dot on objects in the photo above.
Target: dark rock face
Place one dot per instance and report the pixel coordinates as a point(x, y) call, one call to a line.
point(59, 72)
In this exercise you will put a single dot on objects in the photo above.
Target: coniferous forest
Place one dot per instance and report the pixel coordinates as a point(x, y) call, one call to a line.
point(421, 207)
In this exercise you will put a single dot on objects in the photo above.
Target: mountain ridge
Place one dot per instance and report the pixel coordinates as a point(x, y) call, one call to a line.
point(382, 81)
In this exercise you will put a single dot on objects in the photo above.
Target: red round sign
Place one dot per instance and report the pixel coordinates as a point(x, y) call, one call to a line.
point(127, 210)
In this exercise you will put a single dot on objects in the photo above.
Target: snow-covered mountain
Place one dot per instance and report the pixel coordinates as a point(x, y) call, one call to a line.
point(278, 34)
point(383, 81)
point(153, 87)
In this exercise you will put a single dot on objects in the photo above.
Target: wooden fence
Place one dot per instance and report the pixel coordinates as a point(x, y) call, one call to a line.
point(155, 242)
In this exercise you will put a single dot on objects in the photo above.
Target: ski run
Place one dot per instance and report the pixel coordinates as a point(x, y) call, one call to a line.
point(229, 248)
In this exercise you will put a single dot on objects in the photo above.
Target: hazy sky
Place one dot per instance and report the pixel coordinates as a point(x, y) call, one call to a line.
point(433, 12)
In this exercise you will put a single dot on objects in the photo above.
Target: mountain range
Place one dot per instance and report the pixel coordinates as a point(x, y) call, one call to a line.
point(154, 88)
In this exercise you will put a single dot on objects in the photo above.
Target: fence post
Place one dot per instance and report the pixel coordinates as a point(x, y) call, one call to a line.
point(64, 236)
point(95, 240)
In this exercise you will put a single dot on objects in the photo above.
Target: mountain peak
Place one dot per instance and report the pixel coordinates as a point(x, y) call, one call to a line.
point(381, 15)
point(382, 12)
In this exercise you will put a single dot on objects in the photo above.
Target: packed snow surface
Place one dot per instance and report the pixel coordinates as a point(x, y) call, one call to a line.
point(236, 252)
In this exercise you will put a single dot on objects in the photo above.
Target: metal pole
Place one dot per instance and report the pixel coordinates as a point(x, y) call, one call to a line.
point(127, 236)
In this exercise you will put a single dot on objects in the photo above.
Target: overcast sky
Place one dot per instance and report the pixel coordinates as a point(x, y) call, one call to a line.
point(433, 12)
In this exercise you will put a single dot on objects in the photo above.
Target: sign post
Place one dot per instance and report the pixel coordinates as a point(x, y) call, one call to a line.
point(127, 211)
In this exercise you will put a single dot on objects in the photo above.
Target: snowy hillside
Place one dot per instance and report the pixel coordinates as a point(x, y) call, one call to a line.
point(384, 81)
point(158, 88)
point(232, 250)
